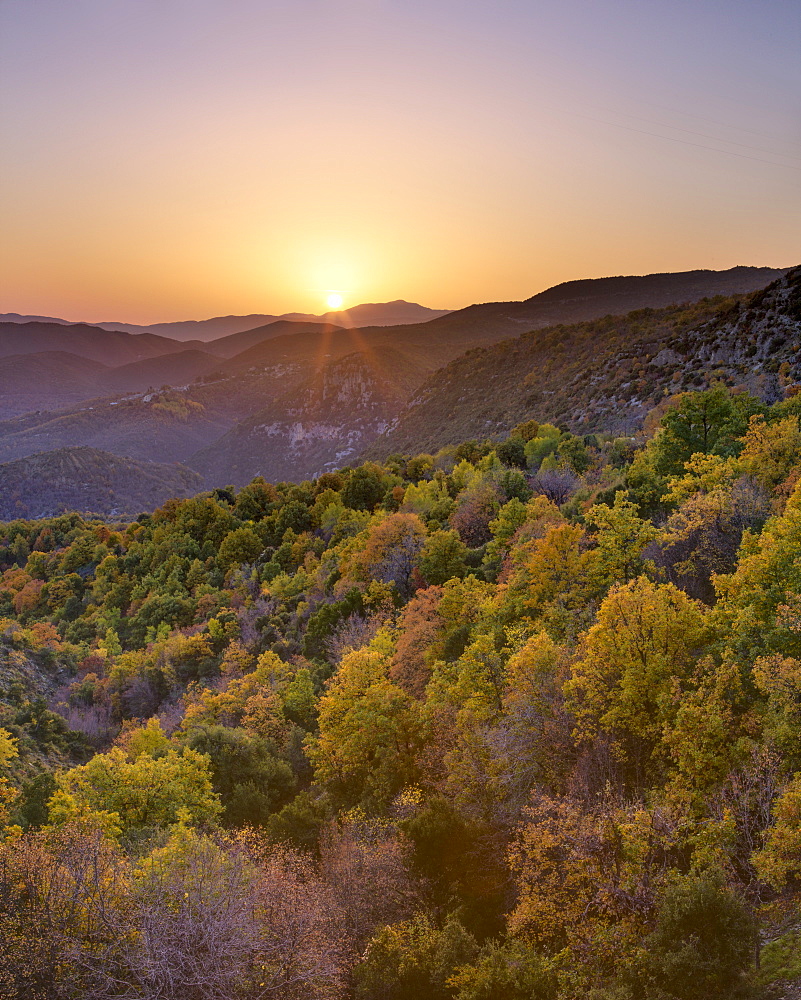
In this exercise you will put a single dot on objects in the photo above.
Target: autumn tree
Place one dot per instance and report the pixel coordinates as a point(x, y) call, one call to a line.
point(390, 553)
point(418, 627)
point(629, 674)
point(369, 733)
point(131, 796)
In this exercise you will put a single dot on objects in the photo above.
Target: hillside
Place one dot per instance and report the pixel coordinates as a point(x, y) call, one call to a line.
point(54, 380)
point(322, 423)
point(168, 369)
point(569, 299)
point(607, 374)
point(416, 723)
point(107, 347)
point(152, 426)
point(88, 481)
point(47, 379)
point(236, 343)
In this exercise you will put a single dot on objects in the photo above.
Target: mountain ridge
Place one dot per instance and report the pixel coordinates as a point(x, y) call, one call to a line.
point(395, 313)
point(562, 375)
point(206, 390)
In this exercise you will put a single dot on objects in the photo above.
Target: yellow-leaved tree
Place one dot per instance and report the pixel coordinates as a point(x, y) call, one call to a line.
point(627, 680)
point(370, 733)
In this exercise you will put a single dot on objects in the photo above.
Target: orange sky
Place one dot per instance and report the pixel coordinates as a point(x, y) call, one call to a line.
point(188, 158)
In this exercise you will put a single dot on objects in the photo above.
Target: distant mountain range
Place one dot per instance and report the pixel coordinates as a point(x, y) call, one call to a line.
point(291, 397)
point(397, 313)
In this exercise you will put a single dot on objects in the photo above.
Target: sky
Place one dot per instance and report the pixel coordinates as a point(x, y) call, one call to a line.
point(181, 159)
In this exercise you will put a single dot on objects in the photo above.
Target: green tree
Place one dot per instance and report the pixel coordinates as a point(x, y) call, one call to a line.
point(250, 779)
point(413, 959)
point(369, 734)
point(703, 943)
point(710, 422)
point(131, 796)
point(443, 557)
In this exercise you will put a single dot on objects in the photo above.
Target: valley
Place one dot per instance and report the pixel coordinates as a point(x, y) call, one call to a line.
point(291, 398)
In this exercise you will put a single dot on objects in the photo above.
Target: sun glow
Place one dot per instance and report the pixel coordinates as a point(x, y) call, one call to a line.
point(334, 300)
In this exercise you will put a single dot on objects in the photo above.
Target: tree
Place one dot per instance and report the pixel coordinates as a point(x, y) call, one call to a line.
point(767, 577)
point(418, 627)
point(621, 539)
point(532, 742)
point(131, 796)
point(255, 501)
point(64, 906)
point(581, 872)
point(250, 779)
point(780, 858)
point(390, 553)
point(8, 751)
point(506, 969)
point(701, 538)
point(771, 450)
point(369, 734)
point(702, 944)
point(548, 580)
point(253, 702)
point(573, 452)
point(711, 422)
point(365, 487)
point(364, 865)
point(512, 452)
point(475, 508)
point(443, 557)
point(634, 660)
point(229, 921)
point(413, 959)
point(240, 546)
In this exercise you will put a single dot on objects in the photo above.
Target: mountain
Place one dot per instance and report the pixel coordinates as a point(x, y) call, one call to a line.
point(567, 302)
point(107, 347)
point(323, 423)
point(164, 426)
point(236, 343)
point(56, 380)
point(570, 301)
point(605, 375)
point(395, 313)
point(49, 378)
point(89, 481)
point(168, 369)
point(592, 298)
point(207, 390)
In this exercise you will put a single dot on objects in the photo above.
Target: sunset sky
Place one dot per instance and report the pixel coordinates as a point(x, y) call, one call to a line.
point(180, 159)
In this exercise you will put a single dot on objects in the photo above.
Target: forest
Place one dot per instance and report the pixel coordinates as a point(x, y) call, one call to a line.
point(518, 720)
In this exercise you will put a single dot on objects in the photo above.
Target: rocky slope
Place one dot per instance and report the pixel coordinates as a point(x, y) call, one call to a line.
point(607, 374)
point(325, 423)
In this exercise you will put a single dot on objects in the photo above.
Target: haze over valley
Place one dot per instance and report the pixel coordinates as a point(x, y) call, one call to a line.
point(290, 399)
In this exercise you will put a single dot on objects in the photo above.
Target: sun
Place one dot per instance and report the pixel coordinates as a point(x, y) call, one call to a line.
point(334, 300)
